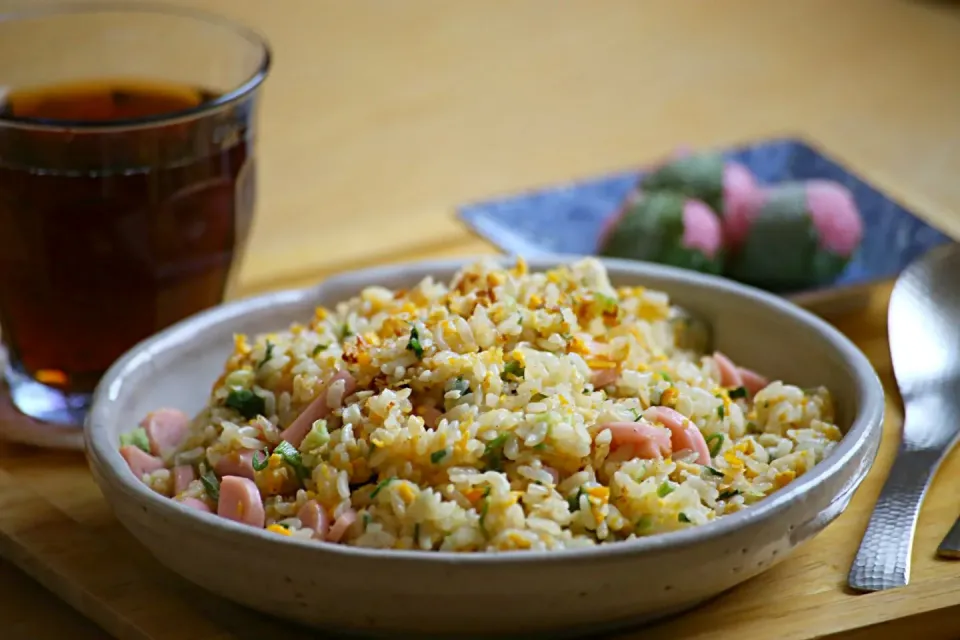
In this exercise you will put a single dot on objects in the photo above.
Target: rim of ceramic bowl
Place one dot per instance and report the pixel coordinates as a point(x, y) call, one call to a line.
point(864, 427)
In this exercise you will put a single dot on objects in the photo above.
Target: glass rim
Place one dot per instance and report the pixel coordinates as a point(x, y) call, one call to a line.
point(210, 106)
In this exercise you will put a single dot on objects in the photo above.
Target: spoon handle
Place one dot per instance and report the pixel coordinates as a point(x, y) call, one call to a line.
point(950, 545)
point(883, 561)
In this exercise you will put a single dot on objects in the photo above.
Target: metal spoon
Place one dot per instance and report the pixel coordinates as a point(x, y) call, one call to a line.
point(924, 332)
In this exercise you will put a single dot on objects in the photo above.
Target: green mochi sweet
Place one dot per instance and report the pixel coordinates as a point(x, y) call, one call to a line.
point(698, 176)
point(781, 251)
point(652, 229)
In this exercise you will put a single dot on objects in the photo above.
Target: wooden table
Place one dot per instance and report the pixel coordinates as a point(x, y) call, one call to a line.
point(380, 117)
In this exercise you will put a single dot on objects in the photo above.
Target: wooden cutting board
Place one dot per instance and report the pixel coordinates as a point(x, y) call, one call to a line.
point(55, 525)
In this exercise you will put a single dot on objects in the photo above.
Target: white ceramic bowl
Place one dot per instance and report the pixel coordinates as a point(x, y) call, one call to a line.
point(479, 595)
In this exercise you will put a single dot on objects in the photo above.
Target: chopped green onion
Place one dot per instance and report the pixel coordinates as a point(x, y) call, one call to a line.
point(437, 456)
point(366, 521)
point(664, 489)
point(246, 402)
point(414, 344)
point(345, 331)
point(644, 522)
point(683, 518)
point(493, 452)
point(268, 354)
point(721, 411)
point(495, 443)
point(484, 510)
point(636, 415)
point(211, 485)
point(714, 442)
point(574, 501)
point(739, 392)
point(461, 385)
point(240, 379)
point(512, 368)
point(608, 301)
point(713, 472)
point(724, 495)
point(666, 376)
point(752, 427)
point(540, 446)
point(318, 349)
point(137, 438)
point(537, 397)
point(316, 437)
point(381, 485)
point(292, 457)
point(259, 464)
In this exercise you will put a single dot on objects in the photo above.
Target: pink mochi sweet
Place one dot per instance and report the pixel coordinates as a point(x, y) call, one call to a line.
point(742, 197)
point(835, 216)
point(832, 210)
point(701, 228)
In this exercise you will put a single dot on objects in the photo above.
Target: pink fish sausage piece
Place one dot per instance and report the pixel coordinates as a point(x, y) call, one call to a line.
point(341, 525)
point(197, 504)
point(729, 374)
point(701, 228)
point(236, 463)
point(734, 376)
point(139, 461)
point(313, 516)
point(604, 377)
point(317, 410)
point(683, 433)
point(752, 380)
point(166, 430)
point(183, 475)
point(648, 441)
point(835, 216)
point(240, 501)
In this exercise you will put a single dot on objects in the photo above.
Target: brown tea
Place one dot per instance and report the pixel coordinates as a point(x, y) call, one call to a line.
point(121, 212)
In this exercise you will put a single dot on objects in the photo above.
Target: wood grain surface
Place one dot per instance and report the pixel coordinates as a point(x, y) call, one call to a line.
point(380, 117)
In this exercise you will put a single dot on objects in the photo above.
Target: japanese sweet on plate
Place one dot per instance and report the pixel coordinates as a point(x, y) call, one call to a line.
point(701, 212)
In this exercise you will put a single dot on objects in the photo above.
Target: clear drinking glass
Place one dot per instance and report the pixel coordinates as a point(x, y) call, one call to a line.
point(126, 184)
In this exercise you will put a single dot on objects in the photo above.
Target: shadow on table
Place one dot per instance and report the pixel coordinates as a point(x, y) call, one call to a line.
point(947, 7)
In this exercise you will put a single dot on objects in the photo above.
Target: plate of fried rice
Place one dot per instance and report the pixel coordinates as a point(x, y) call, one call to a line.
point(629, 437)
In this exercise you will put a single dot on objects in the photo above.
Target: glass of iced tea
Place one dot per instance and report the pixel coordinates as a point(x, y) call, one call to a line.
point(126, 184)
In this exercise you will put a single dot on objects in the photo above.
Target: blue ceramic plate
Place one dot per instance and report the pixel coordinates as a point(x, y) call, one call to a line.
point(567, 218)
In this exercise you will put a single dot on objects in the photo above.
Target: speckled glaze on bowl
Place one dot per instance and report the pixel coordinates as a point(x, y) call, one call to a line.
point(521, 594)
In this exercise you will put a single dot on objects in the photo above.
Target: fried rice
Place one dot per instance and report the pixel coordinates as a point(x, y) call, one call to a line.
point(504, 410)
